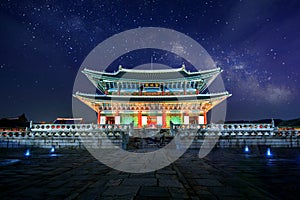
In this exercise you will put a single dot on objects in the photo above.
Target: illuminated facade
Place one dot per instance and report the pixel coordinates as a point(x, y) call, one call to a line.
point(152, 98)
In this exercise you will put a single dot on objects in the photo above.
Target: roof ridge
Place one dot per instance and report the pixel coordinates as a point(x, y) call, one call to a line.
point(152, 71)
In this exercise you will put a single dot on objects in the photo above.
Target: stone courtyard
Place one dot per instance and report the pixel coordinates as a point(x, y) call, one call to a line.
point(223, 174)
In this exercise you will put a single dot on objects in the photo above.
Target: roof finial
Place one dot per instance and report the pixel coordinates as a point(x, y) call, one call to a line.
point(183, 66)
point(120, 67)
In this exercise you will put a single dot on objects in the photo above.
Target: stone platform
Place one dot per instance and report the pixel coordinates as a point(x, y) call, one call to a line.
point(223, 174)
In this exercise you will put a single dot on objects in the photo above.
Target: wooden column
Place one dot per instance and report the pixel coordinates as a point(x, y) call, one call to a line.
point(140, 119)
point(164, 120)
point(98, 117)
point(205, 117)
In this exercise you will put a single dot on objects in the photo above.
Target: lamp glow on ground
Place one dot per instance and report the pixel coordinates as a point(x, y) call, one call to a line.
point(27, 153)
point(269, 153)
point(52, 150)
point(246, 150)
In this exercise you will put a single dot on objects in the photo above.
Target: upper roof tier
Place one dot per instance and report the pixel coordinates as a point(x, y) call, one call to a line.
point(141, 75)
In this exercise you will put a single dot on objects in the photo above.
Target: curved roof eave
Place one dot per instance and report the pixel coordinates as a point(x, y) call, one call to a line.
point(153, 98)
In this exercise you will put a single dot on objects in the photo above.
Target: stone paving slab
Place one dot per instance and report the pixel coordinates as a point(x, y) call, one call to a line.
point(121, 191)
point(154, 192)
point(77, 175)
point(165, 182)
point(140, 181)
point(208, 182)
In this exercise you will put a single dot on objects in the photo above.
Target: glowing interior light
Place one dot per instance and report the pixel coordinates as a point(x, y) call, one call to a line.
point(27, 153)
point(269, 153)
point(52, 150)
point(246, 149)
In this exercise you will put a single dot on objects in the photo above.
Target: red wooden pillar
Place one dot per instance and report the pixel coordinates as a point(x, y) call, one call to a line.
point(98, 117)
point(164, 116)
point(205, 117)
point(140, 119)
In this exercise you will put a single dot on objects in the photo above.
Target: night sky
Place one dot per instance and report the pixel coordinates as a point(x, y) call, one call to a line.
point(255, 42)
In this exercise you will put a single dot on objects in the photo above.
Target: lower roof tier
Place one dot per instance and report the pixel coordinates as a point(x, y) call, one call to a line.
point(205, 100)
point(174, 98)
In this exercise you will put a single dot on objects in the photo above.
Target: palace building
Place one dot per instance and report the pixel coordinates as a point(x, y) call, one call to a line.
point(152, 98)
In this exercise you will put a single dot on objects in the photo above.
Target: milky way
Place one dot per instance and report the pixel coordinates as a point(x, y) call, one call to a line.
point(256, 43)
